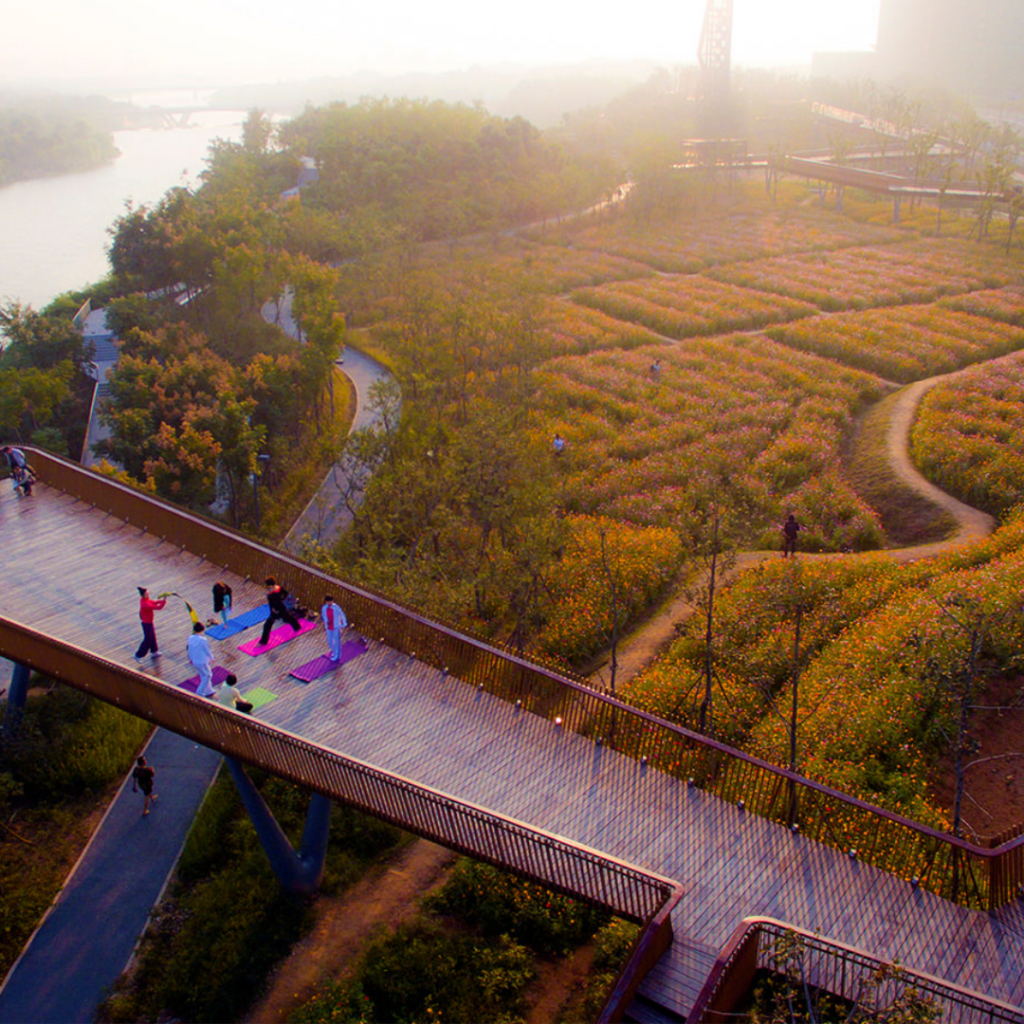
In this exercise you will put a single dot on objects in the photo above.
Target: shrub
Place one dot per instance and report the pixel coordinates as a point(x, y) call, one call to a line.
point(500, 903)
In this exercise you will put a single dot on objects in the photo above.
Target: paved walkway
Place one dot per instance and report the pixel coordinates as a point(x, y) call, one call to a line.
point(325, 517)
point(88, 937)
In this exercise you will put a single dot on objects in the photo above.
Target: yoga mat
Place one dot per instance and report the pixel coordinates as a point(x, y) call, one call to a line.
point(253, 617)
point(279, 636)
point(321, 666)
point(220, 673)
point(258, 697)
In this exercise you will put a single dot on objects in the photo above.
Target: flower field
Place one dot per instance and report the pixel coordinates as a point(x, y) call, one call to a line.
point(689, 306)
point(904, 343)
point(859, 278)
point(1005, 304)
point(638, 446)
point(567, 328)
point(641, 562)
point(872, 633)
point(696, 243)
point(969, 435)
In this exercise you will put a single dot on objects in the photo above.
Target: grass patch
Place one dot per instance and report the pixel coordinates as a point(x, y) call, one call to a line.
point(56, 776)
point(907, 517)
point(226, 921)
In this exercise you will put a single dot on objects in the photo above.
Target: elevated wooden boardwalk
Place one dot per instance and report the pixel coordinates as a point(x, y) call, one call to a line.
point(71, 571)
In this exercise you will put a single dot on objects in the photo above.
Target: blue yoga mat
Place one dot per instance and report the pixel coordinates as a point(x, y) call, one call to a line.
point(253, 617)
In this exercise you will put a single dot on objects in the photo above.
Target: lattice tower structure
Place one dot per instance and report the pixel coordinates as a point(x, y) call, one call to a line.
point(715, 50)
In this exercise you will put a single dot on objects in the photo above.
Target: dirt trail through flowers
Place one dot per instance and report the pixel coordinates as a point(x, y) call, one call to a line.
point(648, 642)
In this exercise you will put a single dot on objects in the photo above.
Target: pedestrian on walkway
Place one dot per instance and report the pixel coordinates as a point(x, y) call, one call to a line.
point(279, 612)
point(201, 656)
point(142, 778)
point(147, 606)
point(230, 697)
point(20, 472)
point(334, 622)
point(222, 600)
point(790, 528)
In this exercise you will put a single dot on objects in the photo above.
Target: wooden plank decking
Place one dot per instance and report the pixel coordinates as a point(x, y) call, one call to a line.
point(72, 572)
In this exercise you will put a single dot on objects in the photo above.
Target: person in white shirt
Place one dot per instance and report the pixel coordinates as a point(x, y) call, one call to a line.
point(230, 697)
point(334, 623)
point(201, 656)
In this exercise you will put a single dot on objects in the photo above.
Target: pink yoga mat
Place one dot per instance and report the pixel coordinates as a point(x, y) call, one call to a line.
point(321, 666)
point(220, 673)
point(279, 636)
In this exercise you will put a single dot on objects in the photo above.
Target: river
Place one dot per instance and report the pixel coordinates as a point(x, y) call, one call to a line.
point(53, 231)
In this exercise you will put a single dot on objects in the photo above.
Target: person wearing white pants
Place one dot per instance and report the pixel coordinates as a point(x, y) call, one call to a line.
point(334, 623)
point(201, 656)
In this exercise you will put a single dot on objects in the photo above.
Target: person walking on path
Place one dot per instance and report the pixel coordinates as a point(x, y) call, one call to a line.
point(147, 606)
point(230, 697)
point(790, 528)
point(201, 656)
point(222, 600)
point(279, 612)
point(334, 622)
point(142, 778)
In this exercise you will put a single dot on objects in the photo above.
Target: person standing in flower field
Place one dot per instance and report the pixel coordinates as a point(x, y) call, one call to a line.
point(790, 528)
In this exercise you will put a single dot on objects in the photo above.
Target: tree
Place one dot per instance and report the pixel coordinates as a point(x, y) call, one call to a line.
point(717, 520)
point(956, 669)
point(257, 131)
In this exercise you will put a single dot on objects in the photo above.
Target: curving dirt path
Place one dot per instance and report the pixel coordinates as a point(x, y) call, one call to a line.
point(650, 640)
point(384, 897)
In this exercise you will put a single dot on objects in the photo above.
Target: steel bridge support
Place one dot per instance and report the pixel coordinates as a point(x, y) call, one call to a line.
point(299, 873)
point(17, 695)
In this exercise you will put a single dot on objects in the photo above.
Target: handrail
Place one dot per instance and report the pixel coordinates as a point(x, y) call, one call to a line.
point(653, 940)
point(836, 968)
point(974, 874)
point(552, 860)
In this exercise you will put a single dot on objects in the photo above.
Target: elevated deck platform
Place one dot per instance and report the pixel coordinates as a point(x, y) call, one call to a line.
point(70, 572)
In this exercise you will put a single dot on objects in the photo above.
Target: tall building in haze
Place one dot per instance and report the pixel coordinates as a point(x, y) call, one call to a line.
point(971, 46)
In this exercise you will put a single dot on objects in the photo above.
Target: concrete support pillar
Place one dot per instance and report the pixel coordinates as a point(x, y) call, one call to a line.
point(17, 695)
point(300, 873)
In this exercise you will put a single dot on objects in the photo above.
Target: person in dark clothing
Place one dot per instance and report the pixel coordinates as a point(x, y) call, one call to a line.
point(279, 611)
point(222, 600)
point(142, 778)
point(790, 528)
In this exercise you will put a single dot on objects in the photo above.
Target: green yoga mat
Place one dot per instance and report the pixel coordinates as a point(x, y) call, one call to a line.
point(259, 697)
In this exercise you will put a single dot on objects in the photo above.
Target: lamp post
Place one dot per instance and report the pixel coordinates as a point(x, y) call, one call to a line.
point(257, 474)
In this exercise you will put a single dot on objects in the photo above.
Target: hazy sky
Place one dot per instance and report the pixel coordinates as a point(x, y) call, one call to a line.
point(257, 40)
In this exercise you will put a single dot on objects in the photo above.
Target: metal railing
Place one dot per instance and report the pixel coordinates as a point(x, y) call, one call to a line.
point(975, 874)
point(553, 861)
point(835, 968)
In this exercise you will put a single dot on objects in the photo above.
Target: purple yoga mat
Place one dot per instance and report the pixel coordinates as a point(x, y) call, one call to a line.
point(321, 666)
point(220, 673)
point(279, 636)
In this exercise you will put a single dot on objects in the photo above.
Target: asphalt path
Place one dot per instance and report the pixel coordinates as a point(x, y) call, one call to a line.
point(324, 518)
point(90, 932)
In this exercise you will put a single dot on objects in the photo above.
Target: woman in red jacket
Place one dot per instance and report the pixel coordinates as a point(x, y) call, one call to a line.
point(146, 608)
